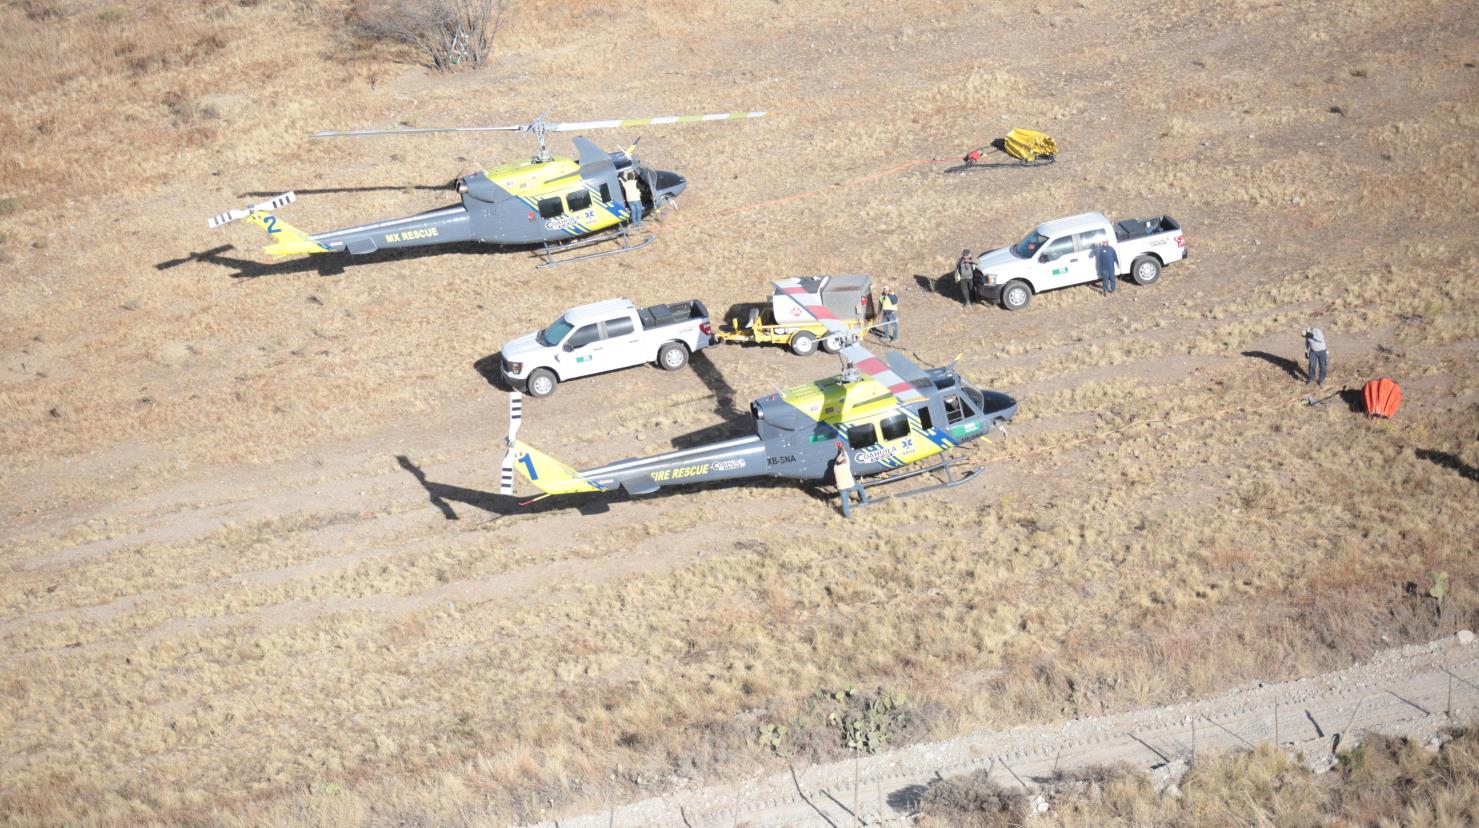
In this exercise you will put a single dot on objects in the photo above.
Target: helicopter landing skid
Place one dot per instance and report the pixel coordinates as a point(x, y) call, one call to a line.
point(551, 253)
point(946, 466)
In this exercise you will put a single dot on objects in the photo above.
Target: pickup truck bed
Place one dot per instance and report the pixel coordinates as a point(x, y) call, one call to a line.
point(1140, 228)
point(659, 316)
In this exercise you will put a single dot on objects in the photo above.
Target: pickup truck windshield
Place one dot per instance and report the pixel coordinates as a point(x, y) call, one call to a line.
point(1027, 247)
point(555, 333)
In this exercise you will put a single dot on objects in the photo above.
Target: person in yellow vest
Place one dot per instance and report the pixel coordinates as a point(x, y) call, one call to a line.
point(889, 303)
point(846, 483)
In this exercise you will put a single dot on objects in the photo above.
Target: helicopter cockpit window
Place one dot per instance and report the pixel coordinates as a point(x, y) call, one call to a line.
point(578, 200)
point(894, 427)
point(551, 207)
point(954, 411)
point(584, 335)
point(861, 435)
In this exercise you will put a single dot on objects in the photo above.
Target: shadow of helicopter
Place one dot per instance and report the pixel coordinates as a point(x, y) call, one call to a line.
point(442, 495)
point(329, 264)
point(736, 421)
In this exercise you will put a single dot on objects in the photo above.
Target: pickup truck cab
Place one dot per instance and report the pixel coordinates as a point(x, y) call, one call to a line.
point(605, 336)
point(1059, 254)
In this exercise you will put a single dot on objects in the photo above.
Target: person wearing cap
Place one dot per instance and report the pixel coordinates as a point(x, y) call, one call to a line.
point(1315, 352)
point(889, 303)
point(846, 483)
point(965, 274)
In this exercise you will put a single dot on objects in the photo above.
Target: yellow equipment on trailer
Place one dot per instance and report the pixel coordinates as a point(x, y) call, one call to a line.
point(849, 298)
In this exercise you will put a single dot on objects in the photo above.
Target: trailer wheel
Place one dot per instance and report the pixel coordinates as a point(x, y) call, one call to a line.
point(832, 344)
point(542, 382)
point(803, 343)
point(672, 356)
point(1016, 295)
point(1145, 270)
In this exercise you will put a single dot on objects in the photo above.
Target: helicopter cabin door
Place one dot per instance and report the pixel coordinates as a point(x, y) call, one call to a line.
point(891, 440)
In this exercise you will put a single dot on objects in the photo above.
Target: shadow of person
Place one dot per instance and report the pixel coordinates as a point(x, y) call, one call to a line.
point(943, 285)
point(1290, 367)
point(1450, 461)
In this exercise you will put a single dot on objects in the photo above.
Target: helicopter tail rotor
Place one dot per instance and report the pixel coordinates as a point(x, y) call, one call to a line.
point(515, 416)
point(264, 207)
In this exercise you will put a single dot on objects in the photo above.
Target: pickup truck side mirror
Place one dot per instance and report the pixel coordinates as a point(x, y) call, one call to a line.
point(1043, 258)
point(569, 346)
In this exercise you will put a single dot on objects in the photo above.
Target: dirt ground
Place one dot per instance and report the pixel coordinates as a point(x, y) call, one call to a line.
point(254, 565)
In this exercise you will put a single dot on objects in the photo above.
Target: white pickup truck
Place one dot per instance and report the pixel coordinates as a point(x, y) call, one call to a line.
point(1058, 254)
point(605, 336)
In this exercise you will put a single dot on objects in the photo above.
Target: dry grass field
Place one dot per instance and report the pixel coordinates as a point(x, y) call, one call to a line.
point(252, 568)
point(1386, 781)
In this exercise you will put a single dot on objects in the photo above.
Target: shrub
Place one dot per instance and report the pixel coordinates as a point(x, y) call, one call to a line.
point(446, 33)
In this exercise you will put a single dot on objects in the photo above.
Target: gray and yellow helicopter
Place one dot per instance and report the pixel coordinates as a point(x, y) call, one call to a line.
point(553, 203)
point(885, 413)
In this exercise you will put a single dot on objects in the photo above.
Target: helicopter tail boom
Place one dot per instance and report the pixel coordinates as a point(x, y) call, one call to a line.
point(287, 239)
point(548, 474)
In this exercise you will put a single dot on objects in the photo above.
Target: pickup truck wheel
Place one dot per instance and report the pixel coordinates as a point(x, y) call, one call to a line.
point(542, 382)
point(831, 344)
point(1145, 270)
point(803, 343)
point(672, 356)
point(1016, 295)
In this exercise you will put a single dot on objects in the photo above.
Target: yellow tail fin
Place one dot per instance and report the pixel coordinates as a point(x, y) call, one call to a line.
point(287, 239)
point(548, 474)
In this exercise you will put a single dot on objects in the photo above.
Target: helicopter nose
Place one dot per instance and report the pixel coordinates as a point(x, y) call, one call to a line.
point(669, 184)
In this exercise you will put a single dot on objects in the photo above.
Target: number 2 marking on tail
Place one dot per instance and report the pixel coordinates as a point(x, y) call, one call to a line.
point(529, 464)
point(271, 222)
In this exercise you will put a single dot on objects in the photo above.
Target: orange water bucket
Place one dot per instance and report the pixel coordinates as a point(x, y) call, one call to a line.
point(1383, 396)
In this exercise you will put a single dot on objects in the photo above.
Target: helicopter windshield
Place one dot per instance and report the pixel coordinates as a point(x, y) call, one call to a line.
point(1028, 246)
point(555, 333)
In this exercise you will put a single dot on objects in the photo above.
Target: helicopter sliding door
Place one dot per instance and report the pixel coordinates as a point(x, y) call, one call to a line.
point(890, 441)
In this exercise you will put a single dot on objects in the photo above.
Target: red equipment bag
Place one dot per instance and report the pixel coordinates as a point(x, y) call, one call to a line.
point(1382, 397)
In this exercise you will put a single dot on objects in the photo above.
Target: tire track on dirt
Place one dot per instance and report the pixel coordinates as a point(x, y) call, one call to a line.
point(1413, 691)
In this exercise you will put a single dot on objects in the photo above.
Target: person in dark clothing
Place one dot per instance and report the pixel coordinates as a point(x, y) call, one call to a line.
point(1107, 261)
point(1315, 352)
point(965, 274)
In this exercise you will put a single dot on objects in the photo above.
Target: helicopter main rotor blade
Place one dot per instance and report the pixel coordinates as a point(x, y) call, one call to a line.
point(664, 119)
point(357, 133)
point(854, 352)
point(538, 125)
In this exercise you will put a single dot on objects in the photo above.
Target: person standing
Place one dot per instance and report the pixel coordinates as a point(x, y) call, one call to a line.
point(1107, 261)
point(633, 195)
point(1315, 352)
point(965, 274)
point(846, 484)
point(889, 303)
